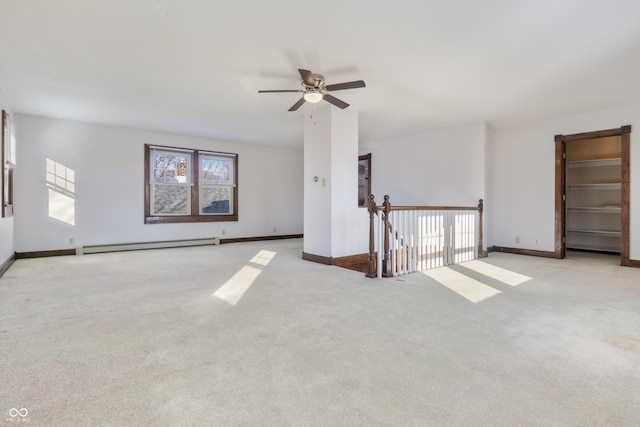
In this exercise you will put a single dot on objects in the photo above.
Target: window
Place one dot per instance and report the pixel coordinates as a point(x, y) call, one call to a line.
point(170, 181)
point(216, 183)
point(183, 185)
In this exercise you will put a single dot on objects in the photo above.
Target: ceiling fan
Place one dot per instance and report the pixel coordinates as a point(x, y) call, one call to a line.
point(316, 90)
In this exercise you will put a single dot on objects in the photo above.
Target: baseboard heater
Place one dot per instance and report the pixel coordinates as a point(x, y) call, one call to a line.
point(81, 250)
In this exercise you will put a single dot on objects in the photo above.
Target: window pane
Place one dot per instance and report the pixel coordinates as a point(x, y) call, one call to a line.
point(215, 200)
point(216, 169)
point(170, 167)
point(170, 200)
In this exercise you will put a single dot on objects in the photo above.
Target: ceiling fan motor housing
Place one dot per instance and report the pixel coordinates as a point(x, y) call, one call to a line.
point(318, 83)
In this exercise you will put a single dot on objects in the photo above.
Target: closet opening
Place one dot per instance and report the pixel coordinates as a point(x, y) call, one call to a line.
point(592, 193)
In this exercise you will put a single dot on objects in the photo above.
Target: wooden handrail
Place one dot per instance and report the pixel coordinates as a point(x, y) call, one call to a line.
point(431, 208)
point(435, 208)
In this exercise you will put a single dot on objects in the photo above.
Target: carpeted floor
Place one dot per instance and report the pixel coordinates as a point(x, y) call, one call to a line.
point(249, 334)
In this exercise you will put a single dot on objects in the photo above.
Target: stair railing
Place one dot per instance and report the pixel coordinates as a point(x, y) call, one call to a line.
point(406, 239)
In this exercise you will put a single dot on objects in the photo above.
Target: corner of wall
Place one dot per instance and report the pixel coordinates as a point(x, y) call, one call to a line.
point(7, 241)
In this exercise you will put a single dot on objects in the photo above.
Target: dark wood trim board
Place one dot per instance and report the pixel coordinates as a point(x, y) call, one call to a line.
point(356, 262)
point(5, 265)
point(41, 254)
point(531, 252)
point(260, 238)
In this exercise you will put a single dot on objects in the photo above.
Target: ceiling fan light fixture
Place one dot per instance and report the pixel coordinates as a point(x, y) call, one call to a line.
point(313, 96)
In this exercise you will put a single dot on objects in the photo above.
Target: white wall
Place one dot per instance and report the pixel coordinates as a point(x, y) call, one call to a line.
point(7, 245)
point(109, 186)
point(434, 168)
point(522, 177)
point(441, 167)
point(349, 230)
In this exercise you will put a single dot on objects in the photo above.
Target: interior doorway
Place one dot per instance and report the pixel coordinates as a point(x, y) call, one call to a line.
point(364, 179)
point(592, 192)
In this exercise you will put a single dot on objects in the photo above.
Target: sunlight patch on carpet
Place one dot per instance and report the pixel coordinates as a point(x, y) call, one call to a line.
point(263, 257)
point(234, 288)
point(503, 275)
point(464, 286)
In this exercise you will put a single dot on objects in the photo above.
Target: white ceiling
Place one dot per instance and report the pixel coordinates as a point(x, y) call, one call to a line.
point(195, 67)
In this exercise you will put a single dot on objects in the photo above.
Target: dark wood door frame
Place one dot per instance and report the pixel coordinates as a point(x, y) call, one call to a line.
point(625, 138)
point(367, 179)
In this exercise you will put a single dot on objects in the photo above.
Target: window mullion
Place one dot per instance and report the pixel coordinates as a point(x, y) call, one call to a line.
point(195, 183)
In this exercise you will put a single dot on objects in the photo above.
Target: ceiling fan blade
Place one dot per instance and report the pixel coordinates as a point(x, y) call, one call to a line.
point(335, 101)
point(297, 105)
point(274, 91)
point(307, 77)
point(347, 85)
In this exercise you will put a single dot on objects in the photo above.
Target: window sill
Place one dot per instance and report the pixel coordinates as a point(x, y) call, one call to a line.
point(189, 218)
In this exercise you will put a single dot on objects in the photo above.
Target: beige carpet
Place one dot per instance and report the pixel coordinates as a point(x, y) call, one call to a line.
point(249, 334)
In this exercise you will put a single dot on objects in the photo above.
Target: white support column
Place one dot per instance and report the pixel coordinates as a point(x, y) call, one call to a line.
point(333, 224)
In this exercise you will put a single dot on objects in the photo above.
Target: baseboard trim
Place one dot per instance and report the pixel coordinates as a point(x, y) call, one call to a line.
point(545, 254)
point(138, 246)
point(5, 265)
point(517, 251)
point(63, 252)
point(351, 262)
point(261, 238)
point(42, 254)
point(316, 258)
point(634, 263)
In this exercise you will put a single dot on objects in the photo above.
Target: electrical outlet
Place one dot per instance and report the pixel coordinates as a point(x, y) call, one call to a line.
point(517, 239)
point(274, 229)
point(537, 241)
point(72, 240)
point(223, 232)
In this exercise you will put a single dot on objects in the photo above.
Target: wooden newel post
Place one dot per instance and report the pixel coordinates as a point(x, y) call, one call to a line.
point(386, 262)
point(371, 263)
point(481, 252)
